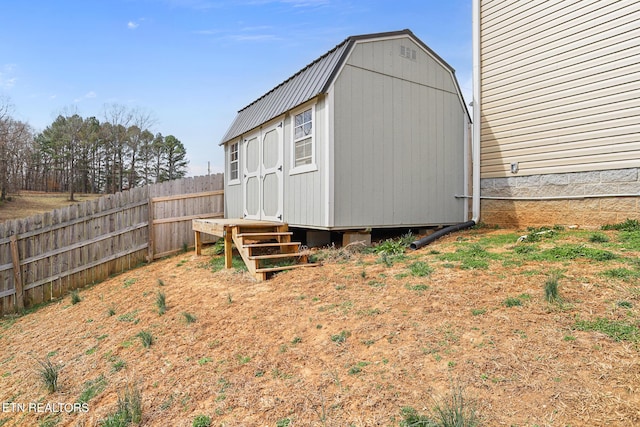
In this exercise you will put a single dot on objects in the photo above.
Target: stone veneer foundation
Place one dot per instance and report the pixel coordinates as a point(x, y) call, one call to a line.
point(578, 199)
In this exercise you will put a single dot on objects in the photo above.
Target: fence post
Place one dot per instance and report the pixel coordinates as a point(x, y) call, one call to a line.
point(17, 274)
point(151, 233)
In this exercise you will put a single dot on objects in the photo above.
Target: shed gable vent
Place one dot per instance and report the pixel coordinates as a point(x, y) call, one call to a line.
point(408, 53)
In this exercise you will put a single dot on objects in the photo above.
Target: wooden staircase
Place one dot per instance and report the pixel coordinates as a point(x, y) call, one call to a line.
point(267, 248)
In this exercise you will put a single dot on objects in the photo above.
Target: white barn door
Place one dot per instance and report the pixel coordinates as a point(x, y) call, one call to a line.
point(263, 185)
point(251, 177)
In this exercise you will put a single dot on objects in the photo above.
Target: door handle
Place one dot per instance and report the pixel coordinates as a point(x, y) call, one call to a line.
point(280, 168)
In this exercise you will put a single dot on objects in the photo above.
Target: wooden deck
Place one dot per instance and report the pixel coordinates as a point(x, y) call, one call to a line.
point(249, 235)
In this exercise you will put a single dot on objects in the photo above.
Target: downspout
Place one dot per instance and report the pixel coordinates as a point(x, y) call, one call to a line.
point(475, 144)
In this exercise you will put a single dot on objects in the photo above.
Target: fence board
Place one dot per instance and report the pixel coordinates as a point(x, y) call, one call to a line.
point(85, 243)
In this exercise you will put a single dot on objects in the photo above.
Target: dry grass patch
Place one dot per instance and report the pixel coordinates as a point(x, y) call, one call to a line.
point(352, 342)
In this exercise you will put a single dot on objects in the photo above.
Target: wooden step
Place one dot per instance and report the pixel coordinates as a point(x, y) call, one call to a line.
point(271, 245)
point(273, 234)
point(275, 256)
point(285, 267)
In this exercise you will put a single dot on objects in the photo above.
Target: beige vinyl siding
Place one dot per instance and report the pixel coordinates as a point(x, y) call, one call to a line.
point(560, 82)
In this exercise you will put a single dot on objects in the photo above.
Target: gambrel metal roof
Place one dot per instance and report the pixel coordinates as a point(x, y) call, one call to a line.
point(306, 84)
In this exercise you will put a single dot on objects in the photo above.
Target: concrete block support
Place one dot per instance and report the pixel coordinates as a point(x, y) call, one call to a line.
point(351, 237)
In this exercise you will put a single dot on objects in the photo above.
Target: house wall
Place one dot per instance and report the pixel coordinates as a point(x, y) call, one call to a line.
point(559, 99)
point(398, 139)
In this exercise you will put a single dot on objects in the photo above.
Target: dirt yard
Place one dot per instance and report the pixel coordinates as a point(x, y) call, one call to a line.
point(28, 203)
point(349, 343)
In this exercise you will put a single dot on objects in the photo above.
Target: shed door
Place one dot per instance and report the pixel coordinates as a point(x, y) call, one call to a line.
point(251, 178)
point(262, 175)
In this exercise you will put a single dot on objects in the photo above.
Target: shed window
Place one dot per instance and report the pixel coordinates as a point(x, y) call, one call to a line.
point(233, 162)
point(303, 138)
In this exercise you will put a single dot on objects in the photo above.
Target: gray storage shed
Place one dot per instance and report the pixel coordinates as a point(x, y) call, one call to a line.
point(372, 134)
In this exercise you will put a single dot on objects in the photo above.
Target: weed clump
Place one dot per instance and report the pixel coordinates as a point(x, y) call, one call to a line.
point(48, 372)
point(75, 297)
point(92, 389)
point(512, 302)
point(201, 421)
point(569, 252)
point(161, 302)
point(627, 225)
point(454, 410)
point(420, 269)
point(471, 257)
point(392, 250)
point(129, 408)
point(341, 337)
point(189, 318)
point(551, 289)
point(146, 338)
point(598, 238)
point(614, 329)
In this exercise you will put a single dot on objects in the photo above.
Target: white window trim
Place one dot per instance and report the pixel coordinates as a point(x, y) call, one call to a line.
point(311, 167)
point(237, 180)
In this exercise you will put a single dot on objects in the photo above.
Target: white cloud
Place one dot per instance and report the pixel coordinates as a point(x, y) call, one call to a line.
point(6, 79)
point(306, 3)
point(208, 32)
point(294, 3)
point(253, 37)
point(195, 4)
point(132, 25)
point(88, 95)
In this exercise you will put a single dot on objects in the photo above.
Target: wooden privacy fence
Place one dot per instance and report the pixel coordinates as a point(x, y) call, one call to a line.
point(44, 256)
point(172, 206)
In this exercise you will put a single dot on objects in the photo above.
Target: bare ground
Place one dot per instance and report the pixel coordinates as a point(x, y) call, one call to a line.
point(260, 353)
point(28, 203)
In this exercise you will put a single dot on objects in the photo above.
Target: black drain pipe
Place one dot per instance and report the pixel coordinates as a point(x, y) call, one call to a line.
point(433, 237)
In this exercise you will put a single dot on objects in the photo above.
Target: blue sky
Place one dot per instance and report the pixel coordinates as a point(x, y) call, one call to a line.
point(193, 64)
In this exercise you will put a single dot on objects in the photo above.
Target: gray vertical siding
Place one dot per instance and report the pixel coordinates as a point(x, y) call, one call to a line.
point(389, 138)
point(399, 139)
point(232, 193)
point(304, 193)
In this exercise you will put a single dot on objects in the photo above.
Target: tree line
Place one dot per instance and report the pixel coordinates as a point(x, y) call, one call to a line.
point(76, 154)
